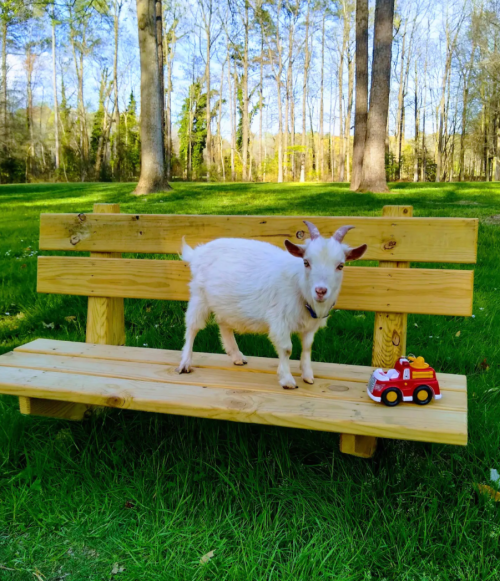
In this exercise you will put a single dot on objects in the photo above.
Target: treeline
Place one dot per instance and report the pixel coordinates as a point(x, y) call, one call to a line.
point(252, 90)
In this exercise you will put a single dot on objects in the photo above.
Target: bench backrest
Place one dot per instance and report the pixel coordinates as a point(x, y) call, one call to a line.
point(391, 289)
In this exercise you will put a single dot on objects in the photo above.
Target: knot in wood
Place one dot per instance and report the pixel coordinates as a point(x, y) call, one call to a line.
point(338, 388)
point(82, 217)
point(390, 244)
point(115, 401)
point(300, 234)
point(396, 339)
point(74, 239)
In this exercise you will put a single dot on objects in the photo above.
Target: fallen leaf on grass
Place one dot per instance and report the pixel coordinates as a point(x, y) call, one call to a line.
point(23, 266)
point(20, 316)
point(416, 325)
point(360, 316)
point(206, 558)
point(457, 334)
point(117, 569)
point(70, 319)
point(38, 575)
point(48, 326)
point(128, 504)
point(484, 365)
point(488, 491)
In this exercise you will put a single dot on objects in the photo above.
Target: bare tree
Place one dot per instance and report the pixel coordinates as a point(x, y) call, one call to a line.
point(361, 104)
point(152, 177)
point(373, 175)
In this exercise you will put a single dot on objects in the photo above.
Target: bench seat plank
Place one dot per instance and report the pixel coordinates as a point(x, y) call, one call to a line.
point(118, 377)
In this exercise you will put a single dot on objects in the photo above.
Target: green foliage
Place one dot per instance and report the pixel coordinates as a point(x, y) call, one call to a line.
point(193, 131)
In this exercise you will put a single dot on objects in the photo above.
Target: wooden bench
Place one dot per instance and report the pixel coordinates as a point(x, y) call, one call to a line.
point(65, 380)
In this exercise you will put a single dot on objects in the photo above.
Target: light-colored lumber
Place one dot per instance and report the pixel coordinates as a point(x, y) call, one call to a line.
point(389, 342)
point(389, 338)
point(355, 445)
point(229, 378)
point(64, 410)
point(106, 316)
point(423, 291)
point(429, 423)
point(148, 356)
point(388, 238)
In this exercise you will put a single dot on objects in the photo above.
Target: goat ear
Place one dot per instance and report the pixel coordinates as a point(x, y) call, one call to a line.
point(355, 253)
point(294, 249)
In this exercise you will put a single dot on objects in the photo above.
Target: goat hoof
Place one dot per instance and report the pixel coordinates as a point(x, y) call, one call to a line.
point(240, 362)
point(309, 380)
point(183, 369)
point(289, 386)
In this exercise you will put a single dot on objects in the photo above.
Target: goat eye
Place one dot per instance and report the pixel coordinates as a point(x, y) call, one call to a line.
point(340, 267)
point(307, 263)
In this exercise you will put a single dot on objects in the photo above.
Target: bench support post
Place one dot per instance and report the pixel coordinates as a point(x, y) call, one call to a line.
point(389, 343)
point(105, 326)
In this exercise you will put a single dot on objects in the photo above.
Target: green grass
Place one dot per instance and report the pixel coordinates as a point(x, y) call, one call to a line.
point(150, 494)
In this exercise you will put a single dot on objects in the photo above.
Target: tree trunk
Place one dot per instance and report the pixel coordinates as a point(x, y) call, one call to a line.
point(345, 38)
point(417, 128)
point(5, 126)
point(304, 98)
point(245, 120)
point(219, 122)
point(29, 112)
point(231, 113)
point(152, 177)
point(373, 175)
point(54, 89)
point(361, 104)
point(399, 114)
point(465, 102)
point(321, 155)
point(208, 23)
point(261, 102)
point(116, 142)
point(347, 128)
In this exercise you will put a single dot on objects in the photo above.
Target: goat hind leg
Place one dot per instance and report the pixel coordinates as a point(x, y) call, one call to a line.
point(283, 345)
point(196, 317)
point(230, 345)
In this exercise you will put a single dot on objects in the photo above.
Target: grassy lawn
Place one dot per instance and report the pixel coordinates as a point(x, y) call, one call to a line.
point(135, 496)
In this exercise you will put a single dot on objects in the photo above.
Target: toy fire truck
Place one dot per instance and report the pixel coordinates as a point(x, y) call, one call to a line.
point(412, 379)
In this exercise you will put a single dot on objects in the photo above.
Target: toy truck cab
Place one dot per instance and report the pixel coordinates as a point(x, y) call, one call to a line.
point(412, 379)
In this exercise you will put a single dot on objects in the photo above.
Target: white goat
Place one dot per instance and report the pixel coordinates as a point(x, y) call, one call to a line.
point(255, 287)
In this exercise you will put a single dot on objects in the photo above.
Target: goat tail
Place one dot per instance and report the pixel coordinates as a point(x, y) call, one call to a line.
point(186, 252)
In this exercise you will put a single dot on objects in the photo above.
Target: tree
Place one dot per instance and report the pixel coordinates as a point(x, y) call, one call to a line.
point(373, 176)
point(361, 103)
point(152, 177)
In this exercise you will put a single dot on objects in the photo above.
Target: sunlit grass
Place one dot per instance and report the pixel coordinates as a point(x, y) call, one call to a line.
point(154, 493)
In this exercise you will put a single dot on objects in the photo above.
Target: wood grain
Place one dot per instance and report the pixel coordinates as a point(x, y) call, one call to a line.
point(414, 239)
point(429, 423)
point(106, 316)
point(148, 356)
point(50, 408)
point(425, 291)
point(389, 337)
point(229, 378)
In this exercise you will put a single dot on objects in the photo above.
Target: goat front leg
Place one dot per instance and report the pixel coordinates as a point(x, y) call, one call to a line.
point(307, 340)
point(283, 345)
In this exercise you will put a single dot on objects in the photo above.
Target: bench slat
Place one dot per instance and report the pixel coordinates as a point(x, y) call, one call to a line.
point(147, 355)
point(432, 423)
point(423, 291)
point(451, 240)
point(339, 389)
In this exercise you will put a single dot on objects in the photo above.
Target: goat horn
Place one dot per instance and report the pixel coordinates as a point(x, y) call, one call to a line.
point(341, 232)
point(313, 231)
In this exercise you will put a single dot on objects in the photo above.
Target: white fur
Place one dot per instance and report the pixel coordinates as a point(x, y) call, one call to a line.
point(255, 287)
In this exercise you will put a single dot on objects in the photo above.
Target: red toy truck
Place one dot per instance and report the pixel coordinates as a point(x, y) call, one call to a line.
point(412, 379)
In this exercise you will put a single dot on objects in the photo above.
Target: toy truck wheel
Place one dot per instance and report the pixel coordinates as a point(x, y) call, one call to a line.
point(391, 396)
point(422, 395)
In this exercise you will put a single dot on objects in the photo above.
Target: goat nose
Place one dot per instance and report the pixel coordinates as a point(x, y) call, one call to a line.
point(321, 291)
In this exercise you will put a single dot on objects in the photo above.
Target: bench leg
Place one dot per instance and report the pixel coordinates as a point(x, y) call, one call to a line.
point(32, 406)
point(361, 446)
